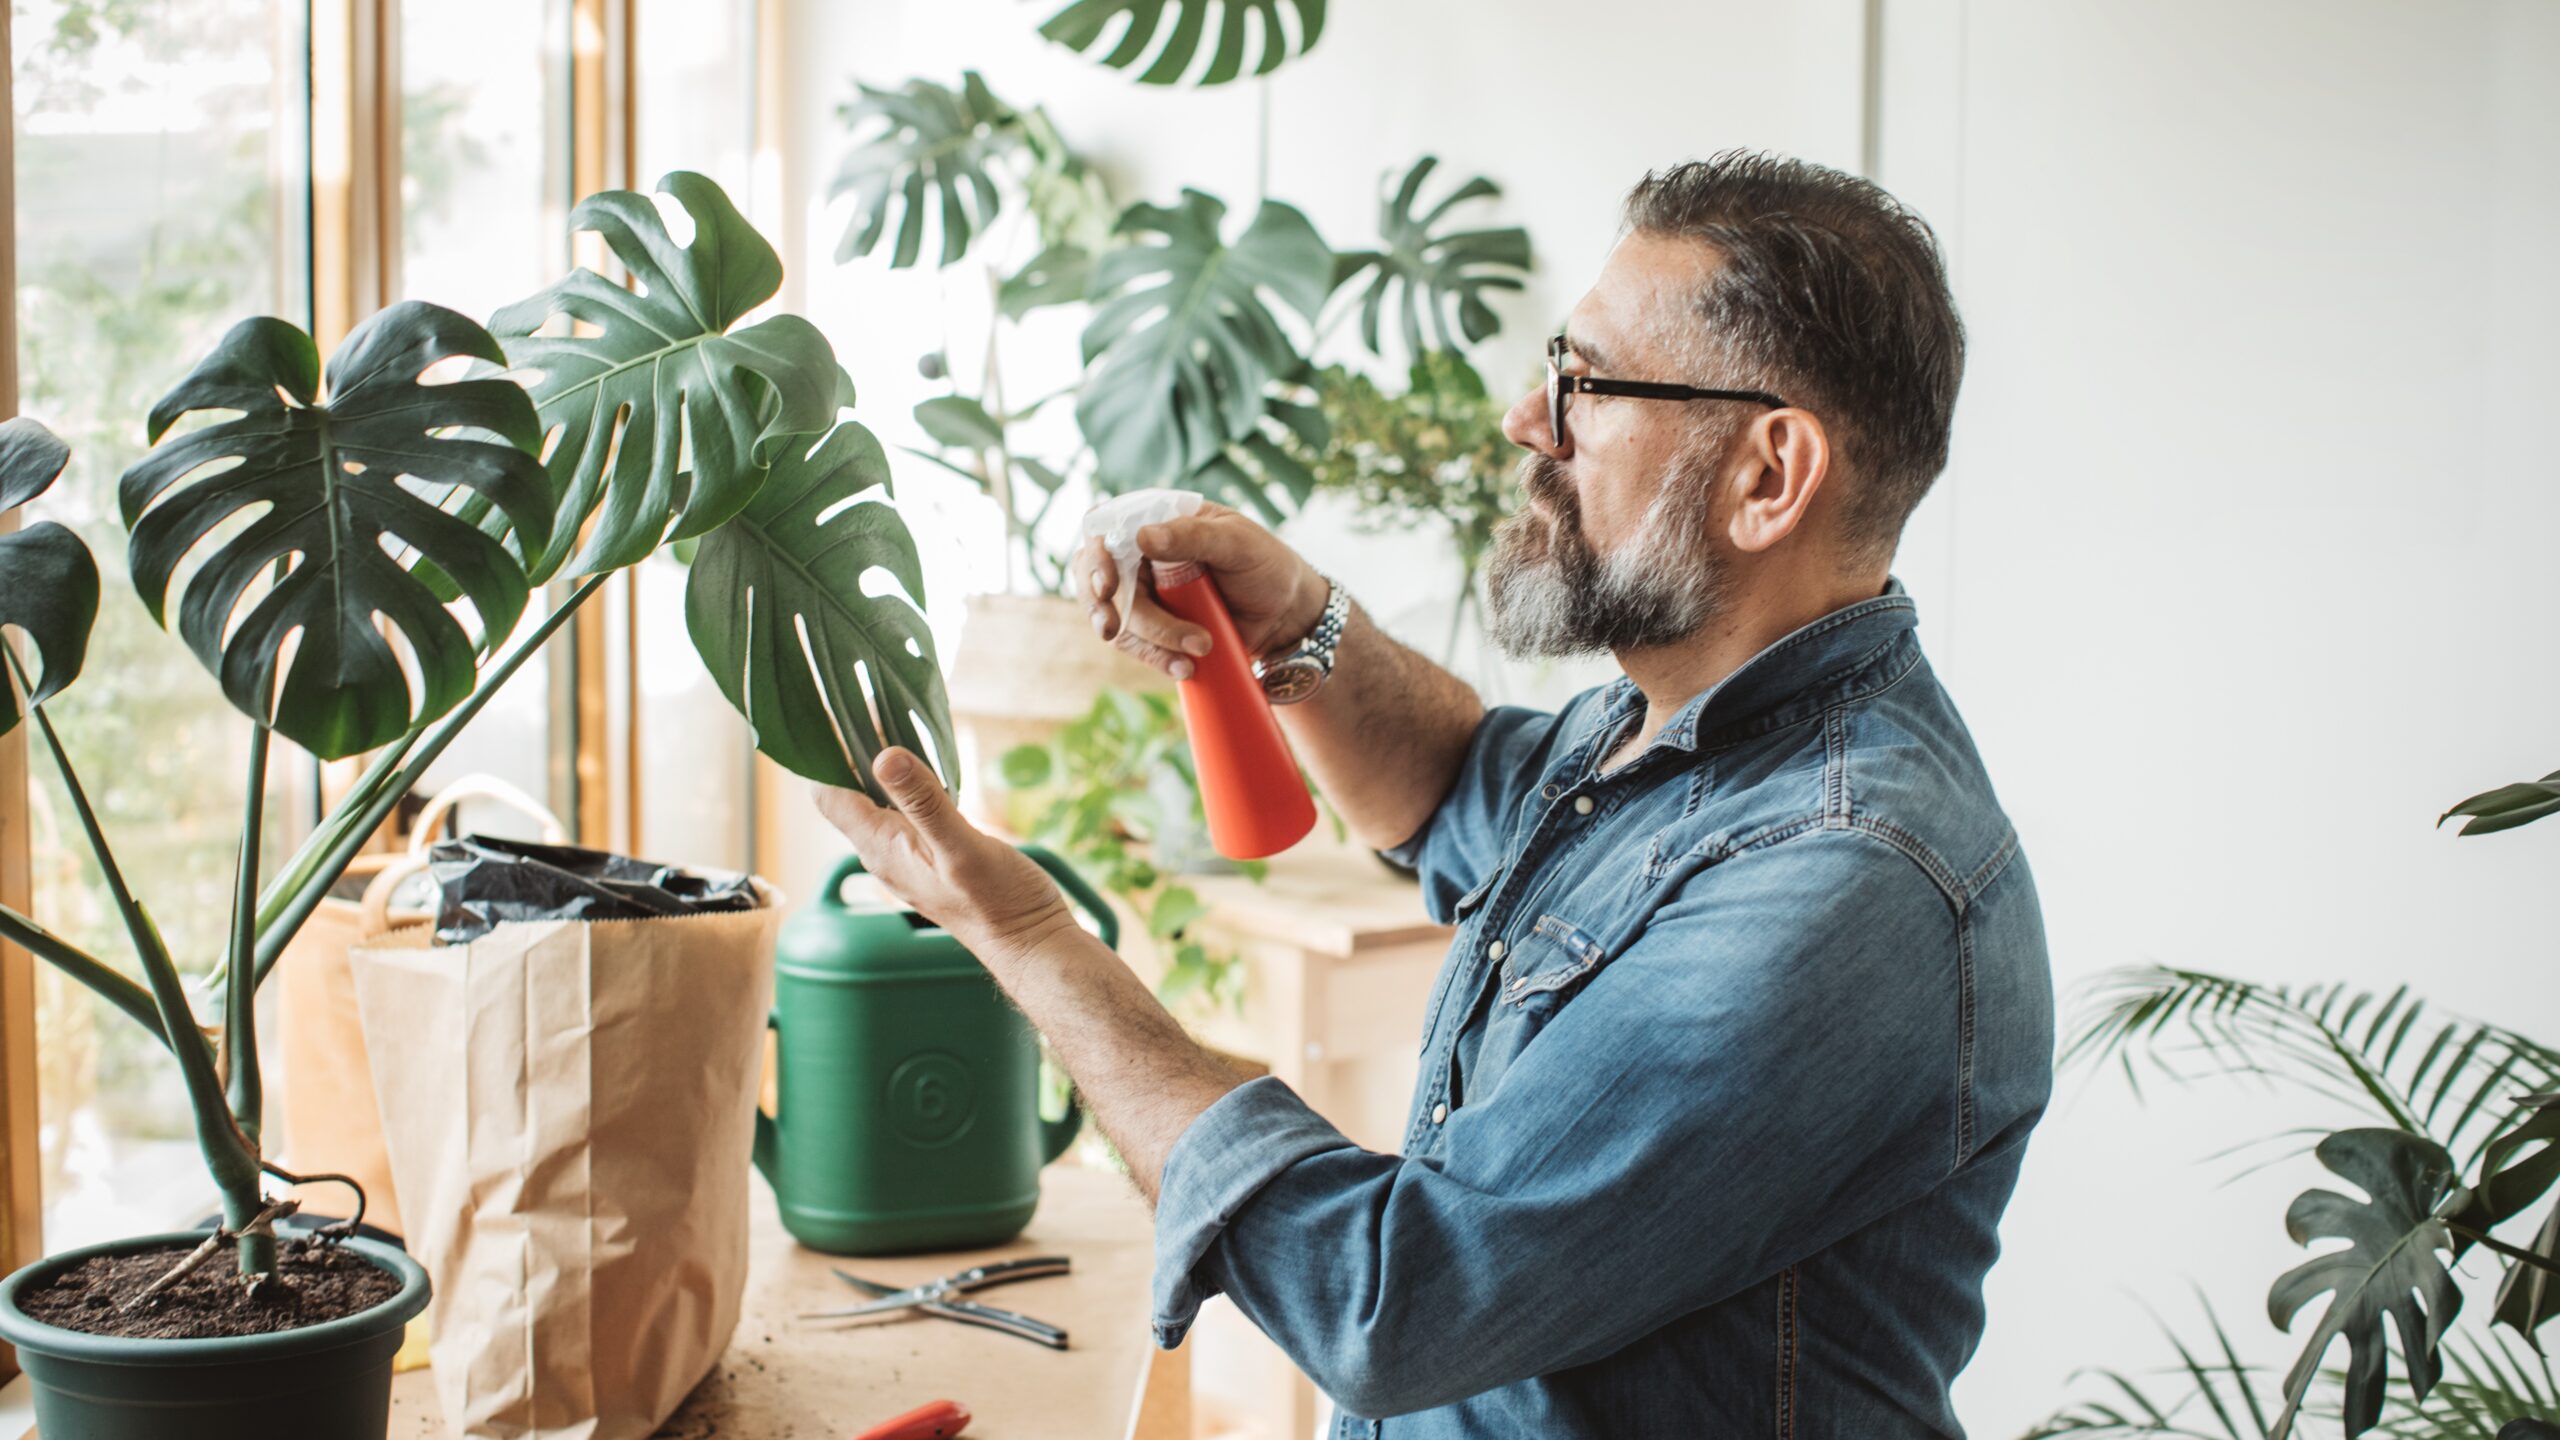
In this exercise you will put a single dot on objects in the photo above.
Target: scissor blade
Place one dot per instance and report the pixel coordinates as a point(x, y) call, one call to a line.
point(893, 1300)
point(872, 1287)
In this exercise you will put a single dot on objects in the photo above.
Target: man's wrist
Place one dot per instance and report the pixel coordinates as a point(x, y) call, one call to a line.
point(1306, 611)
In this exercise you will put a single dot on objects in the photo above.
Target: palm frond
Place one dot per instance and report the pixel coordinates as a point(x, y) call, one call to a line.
point(2449, 1079)
point(2493, 1381)
point(2219, 1401)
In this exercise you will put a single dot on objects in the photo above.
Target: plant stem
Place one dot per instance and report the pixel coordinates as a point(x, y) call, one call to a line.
point(230, 1157)
point(240, 992)
point(296, 905)
point(118, 988)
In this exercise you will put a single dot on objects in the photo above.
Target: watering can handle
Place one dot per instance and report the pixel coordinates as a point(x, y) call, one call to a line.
point(1105, 921)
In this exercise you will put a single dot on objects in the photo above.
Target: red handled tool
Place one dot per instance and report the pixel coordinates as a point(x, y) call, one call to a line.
point(937, 1421)
point(1250, 789)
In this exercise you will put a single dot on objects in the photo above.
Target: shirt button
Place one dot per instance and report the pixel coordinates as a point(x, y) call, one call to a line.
point(1581, 804)
point(1494, 950)
point(1551, 792)
point(1439, 1113)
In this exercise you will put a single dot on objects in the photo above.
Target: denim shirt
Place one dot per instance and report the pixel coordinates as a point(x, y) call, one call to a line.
point(1724, 1083)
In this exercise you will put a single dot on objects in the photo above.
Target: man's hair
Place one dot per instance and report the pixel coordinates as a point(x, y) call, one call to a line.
point(1834, 295)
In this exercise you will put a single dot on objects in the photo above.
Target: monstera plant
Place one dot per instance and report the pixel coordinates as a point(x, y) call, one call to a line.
point(1134, 26)
point(2467, 1143)
point(350, 552)
point(1200, 351)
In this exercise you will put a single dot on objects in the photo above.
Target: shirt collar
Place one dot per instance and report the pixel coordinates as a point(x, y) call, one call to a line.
point(1813, 665)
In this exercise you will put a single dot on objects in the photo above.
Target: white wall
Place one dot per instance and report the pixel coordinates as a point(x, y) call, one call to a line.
point(2235, 571)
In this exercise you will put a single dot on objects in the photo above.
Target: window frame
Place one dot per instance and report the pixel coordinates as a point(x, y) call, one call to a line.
point(352, 155)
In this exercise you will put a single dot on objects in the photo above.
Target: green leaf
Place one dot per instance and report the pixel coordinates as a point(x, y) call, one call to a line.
point(2446, 1079)
point(1081, 25)
point(931, 151)
point(959, 422)
point(1183, 350)
point(2390, 1266)
point(688, 413)
point(1059, 275)
point(1025, 767)
point(48, 582)
point(1175, 911)
point(2508, 806)
point(1437, 274)
point(338, 537)
point(1068, 198)
point(776, 608)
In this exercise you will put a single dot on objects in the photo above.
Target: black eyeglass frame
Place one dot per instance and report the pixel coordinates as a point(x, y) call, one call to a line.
point(1560, 385)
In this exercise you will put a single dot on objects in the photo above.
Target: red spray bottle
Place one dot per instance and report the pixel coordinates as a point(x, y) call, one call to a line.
point(1250, 789)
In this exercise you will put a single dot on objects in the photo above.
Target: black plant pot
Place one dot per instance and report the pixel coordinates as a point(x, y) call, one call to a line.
point(330, 1381)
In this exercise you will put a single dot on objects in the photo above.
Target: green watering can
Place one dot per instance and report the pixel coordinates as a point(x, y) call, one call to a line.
point(908, 1112)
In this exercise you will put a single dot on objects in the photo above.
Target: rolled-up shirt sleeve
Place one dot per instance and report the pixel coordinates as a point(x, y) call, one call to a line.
point(1770, 1065)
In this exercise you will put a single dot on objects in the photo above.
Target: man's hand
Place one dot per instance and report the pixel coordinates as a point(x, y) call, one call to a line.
point(1275, 596)
point(983, 891)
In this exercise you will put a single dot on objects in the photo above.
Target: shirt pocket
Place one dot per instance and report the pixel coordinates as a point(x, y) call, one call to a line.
point(1548, 962)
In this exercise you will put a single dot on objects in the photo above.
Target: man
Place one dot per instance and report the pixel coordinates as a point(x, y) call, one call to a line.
point(1727, 1077)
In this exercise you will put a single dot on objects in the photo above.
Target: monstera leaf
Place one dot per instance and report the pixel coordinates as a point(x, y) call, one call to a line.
point(931, 150)
point(2390, 1266)
point(337, 528)
point(1436, 273)
point(1182, 353)
point(776, 607)
point(1080, 27)
point(48, 583)
point(666, 417)
point(1259, 471)
point(2530, 1294)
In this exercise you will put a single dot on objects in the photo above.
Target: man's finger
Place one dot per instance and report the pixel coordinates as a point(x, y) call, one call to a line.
point(1151, 627)
point(919, 794)
point(1219, 538)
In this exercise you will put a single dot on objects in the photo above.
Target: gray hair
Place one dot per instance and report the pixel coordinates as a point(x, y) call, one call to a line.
point(1833, 294)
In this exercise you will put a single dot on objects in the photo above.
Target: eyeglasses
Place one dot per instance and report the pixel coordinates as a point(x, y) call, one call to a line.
point(1560, 385)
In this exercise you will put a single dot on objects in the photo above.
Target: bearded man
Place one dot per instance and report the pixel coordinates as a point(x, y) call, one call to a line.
point(1726, 1080)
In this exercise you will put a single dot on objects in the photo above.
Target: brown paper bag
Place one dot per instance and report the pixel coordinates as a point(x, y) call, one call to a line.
point(331, 1122)
point(569, 1109)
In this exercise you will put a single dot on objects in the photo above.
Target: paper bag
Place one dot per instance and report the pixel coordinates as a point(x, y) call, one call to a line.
point(569, 1110)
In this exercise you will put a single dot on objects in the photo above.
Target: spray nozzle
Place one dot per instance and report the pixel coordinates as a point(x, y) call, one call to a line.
point(1117, 521)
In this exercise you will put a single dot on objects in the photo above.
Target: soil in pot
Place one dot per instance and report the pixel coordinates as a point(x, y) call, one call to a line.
point(314, 1282)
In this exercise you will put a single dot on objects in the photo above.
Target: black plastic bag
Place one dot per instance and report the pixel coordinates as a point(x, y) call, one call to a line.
point(486, 880)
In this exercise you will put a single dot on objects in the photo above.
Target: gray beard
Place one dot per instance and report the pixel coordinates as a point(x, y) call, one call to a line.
point(1551, 595)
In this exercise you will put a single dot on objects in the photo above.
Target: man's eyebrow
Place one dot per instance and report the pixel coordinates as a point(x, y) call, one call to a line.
point(1592, 355)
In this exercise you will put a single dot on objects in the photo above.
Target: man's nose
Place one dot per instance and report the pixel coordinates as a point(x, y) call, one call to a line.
point(1526, 426)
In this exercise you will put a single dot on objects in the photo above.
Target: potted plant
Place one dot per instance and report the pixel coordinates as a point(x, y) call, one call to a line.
point(350, 554)
point(1196, 354)
point(2466, 1141)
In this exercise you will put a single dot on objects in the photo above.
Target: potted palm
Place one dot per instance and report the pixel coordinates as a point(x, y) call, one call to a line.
point(351, 553)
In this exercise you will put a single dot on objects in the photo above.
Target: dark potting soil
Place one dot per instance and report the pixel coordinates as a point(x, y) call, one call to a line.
point(314, 1282)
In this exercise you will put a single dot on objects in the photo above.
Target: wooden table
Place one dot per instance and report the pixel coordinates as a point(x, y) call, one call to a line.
point(789, 1379)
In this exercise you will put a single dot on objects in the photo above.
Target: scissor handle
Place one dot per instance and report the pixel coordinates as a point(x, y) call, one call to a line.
point(1003, 1272)
point(1012, 1322)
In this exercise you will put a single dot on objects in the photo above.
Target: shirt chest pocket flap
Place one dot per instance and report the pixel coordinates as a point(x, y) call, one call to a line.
point(1549, 958)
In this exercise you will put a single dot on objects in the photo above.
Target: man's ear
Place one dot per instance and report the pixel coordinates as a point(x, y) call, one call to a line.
point(1784, 457)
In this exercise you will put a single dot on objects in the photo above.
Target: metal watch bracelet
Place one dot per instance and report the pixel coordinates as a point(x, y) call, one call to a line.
point(1291, 677)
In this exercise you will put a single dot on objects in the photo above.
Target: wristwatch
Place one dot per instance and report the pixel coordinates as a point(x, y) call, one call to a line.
point(1294, 676)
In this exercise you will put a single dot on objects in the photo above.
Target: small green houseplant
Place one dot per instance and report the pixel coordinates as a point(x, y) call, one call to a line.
point(2467, 1144)
point(351, 553)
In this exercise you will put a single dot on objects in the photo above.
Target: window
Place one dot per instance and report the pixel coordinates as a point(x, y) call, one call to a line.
point(161, 196)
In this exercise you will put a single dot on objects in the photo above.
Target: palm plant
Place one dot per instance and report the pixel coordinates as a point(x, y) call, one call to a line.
point(351, 553)
point(2455, 1098)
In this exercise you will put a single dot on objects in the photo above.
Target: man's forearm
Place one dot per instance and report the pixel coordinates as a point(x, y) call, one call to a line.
point(1385, 736)
point(1139, 1076)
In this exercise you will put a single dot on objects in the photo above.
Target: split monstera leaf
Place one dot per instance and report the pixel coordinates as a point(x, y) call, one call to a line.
point(364, 541)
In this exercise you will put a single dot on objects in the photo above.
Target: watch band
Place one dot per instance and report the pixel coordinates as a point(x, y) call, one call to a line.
point(1291, 677)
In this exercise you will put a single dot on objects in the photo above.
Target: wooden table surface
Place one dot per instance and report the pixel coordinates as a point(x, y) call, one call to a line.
point(789, 1379)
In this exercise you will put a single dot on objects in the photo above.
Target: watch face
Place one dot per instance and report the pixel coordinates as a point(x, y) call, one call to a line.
point(1291, 680)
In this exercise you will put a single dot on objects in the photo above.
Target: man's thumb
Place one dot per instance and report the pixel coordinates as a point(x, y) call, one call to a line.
point(916, 790)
